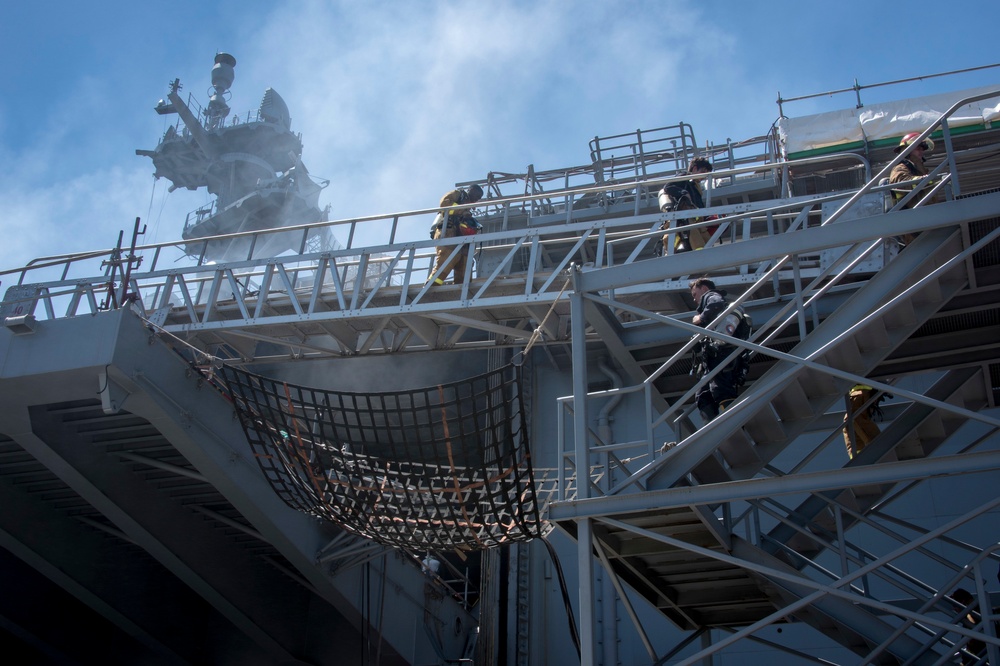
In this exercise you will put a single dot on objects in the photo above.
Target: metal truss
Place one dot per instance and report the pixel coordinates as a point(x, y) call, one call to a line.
point(354, 301)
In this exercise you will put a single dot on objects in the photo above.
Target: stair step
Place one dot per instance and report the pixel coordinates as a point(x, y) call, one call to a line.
point(700, 595)
point(849, 497)
point(818, 384)
point(901, 316)
point(738, 450)
point(672, 517)
point(792, 403)
point(909, 448)
point(681, 562)
point(872, 338)
point(804, 545)
point(764, 427)
point(651, 548)
point(710, 470)
point(845, 356)
point(702, 576)
point(821, 525)
point(687, 532)
point(866, 496)
point(932, 427)
point(929, 295)
point(891, 456)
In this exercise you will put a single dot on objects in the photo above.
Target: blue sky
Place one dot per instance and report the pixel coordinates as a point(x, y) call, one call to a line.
point(398, 100)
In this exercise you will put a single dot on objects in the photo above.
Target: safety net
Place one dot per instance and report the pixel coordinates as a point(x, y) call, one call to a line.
point(442, 467)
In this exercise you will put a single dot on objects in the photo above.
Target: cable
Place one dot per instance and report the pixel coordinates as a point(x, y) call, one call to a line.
point(381, 612)
point(565, 595)
point(538, 332)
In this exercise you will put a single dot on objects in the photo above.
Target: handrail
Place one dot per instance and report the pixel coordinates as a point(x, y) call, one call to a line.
point(659, 419)
point(499, 202)
point(413, 255)
point(857, 88)
point(382, 217)
point(886, 170)
point(395, 264)
point(731, 213)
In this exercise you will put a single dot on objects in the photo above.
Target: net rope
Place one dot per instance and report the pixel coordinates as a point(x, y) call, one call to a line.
point(443, 467)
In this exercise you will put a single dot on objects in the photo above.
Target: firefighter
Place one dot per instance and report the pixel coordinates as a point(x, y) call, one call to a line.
point(859, 427)
point(910, 169)
point(451, 223)
point(722, 389)
point(686, 195)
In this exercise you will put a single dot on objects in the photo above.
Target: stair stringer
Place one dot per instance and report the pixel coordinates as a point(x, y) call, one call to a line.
point(814, 514)
point(847, 623)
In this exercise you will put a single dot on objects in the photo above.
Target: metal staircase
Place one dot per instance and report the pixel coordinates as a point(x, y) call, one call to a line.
point(670, 528)
point(702, 590)
point(916, 433)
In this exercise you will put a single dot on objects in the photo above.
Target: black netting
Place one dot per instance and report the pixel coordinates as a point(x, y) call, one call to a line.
point(436, 468)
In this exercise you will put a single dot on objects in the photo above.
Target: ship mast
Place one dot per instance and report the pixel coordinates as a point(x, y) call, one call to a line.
point(252, 164)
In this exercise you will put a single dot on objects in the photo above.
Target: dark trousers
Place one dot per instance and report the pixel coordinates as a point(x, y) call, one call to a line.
point(721, 389)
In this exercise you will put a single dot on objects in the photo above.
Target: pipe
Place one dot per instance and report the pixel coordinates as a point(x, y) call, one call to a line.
point(604, 417)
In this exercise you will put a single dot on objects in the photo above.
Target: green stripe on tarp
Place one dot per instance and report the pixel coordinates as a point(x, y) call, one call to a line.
point(880, 143)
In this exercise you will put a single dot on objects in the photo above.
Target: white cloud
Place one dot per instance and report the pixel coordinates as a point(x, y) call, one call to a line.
point(86, 212)
point(398, 101)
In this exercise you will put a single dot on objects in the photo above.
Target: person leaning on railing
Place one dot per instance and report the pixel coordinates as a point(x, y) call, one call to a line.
point(451, 223)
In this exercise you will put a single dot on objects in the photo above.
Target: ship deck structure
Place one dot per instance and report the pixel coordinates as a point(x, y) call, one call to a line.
point(286, 449)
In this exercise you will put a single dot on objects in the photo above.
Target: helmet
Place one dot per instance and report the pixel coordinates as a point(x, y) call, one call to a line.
point(475, 193)
point(908, 139)
point(700, 163)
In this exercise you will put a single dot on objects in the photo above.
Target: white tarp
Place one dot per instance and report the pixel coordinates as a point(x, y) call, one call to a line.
point(886, 120)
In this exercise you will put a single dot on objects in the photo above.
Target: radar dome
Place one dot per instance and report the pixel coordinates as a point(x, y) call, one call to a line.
point(222, 72)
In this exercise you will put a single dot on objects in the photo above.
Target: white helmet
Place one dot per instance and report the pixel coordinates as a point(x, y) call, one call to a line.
point(909, 138)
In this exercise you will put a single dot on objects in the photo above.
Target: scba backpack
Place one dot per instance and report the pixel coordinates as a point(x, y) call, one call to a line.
point(468, 226)
point(739, 325)
point(742, 331)
point(465, 225)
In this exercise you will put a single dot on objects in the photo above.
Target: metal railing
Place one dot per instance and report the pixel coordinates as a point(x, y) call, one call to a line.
point(857, 87)
point(69, 285)
point(643, 153)
point(613, 229)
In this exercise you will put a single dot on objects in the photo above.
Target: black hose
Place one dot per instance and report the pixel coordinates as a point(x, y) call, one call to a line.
point(565, 594)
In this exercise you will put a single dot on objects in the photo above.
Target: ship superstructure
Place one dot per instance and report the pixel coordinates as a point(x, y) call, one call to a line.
point(289, 444)
point(251, 163)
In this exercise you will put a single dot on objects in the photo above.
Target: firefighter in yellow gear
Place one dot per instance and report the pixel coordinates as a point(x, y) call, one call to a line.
point(859, 428)
point(448, 224)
